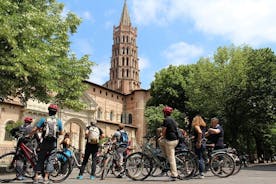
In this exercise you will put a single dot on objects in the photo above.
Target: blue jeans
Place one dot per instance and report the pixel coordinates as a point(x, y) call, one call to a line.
point(199, 152)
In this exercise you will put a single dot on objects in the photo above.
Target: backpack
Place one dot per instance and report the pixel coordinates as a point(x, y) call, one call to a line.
point(180, 135)
point(93, 135)
point(123, 137)
point(50, 128)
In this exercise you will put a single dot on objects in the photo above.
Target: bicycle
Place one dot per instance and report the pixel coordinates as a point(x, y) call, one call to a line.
point(111, 160)
point(8, 161)
point(151, 162)
point(76, 162)
point(220, 162)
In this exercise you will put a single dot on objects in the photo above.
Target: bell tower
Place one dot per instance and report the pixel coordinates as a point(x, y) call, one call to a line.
point(124, 70)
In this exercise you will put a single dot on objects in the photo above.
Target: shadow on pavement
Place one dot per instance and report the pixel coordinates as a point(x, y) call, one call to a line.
point(263, 167)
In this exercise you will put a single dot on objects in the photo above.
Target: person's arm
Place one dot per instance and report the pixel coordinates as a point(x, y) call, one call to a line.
point(60, 127)
point(37, 127)
point(101, 134)
point(213, 131)
point(86, 133)
point(164, 130)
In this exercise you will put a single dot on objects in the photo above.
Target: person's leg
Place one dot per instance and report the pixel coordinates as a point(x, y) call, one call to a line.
point(170, 152)
point(162, 145)
point(85, 160)
point(199, 153)
point(50, 164)
point(94, 162)
point(39, 167)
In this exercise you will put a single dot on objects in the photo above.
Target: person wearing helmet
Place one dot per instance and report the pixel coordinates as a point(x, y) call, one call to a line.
point(20, 132)
point(169, 140)
point(93, 134)
point(51, 128)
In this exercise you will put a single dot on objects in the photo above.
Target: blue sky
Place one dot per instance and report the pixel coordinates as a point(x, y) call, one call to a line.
point(170, 32)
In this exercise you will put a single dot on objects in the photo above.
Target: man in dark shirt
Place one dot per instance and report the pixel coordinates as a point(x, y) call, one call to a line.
point(215, 134)
point(169, 140)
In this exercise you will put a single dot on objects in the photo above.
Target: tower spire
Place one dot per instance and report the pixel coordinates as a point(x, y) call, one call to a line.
point(125, 19)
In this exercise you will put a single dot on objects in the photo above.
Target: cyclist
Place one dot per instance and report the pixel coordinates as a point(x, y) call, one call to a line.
point(121, 137)
point(65, 144)
point(199, 126)
point(20, 132)
point(51, 127)
point(93, 134)
point(169, 140)
point(215, 134)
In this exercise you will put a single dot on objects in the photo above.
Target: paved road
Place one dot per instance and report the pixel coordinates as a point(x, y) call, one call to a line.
point(259, 174)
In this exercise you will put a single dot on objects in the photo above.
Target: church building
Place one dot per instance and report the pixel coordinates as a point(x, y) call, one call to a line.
point(119, 100)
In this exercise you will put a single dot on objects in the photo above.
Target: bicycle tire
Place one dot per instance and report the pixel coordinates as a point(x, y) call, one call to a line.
point(107, 162)
point(7, 167)
point(222, 164)
point(238, 164)
point(99, 165)
point(186, 162)
point(62, 167)
point(138, 166)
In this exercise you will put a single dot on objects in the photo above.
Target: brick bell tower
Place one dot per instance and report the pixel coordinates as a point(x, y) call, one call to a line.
point(124, 70)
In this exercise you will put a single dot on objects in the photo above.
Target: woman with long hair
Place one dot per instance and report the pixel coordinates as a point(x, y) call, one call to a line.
point(199, 126)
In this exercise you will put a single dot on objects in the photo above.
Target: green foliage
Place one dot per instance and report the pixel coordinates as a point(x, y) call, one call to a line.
point(238, 85)
point(154, 117)
point(10, 126)
point(35, 57)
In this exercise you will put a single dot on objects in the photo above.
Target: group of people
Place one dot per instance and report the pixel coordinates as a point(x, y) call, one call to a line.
point(51, 127)
point(169, 139)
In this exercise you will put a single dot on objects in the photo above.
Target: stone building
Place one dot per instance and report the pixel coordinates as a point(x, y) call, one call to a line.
point(119, 100)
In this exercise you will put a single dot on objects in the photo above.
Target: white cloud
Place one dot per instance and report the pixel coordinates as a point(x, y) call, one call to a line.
point(182, 53)
point(246, 21)
point(86, 15)
point(143, 63)
point(100, 73)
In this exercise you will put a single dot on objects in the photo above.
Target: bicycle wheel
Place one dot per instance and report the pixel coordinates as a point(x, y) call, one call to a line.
point(61, 164)
point(138, 166)
point(107, 162)
point(7, 167)
point(99, 165)
point(238, 163)
point(222, 164)
point(186, 163)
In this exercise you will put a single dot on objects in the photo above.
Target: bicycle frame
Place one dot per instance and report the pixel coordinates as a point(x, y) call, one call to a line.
point(28, 153)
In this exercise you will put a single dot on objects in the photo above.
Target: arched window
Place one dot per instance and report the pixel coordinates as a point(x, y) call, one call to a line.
point(111, 116)
point(130, 118)
point(99, 113)
point(9, 126)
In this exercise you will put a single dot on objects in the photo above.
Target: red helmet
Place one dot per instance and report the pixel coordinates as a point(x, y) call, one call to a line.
point(28, 120)
point(167, 110)
point(53, 107)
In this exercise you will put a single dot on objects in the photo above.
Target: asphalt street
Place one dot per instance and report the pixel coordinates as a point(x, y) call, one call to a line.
point(258, 174)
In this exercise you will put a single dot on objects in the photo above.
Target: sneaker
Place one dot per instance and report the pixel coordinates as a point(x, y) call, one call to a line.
point(201, 176)
point(92, 177)
point(79, 177)
point(35, 182)
point(20, 178)
point(173, 178)
point(46, 181)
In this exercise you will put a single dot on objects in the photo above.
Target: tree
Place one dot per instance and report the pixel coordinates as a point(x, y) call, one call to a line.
point(35, 57)
point(238, 85)
point(154, 117)
point(167, 88)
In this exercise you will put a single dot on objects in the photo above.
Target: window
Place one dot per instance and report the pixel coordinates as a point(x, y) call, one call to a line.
point(111, 116)
point(130, 119)
point(99, 113)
